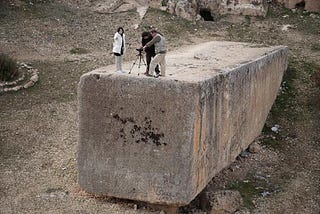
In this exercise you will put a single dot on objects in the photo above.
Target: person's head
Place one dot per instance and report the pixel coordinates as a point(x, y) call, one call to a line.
point(120, 30)
point(146, 35)
point(153, 32)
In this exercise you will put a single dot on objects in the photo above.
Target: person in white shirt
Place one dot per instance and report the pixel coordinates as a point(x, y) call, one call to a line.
point(159, 43)
point(119, 47)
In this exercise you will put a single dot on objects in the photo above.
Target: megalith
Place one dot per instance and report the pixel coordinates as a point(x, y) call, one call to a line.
point(161, 140)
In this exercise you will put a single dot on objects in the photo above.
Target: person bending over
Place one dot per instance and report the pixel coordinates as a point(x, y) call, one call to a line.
point(159, 43)
point(150, 51)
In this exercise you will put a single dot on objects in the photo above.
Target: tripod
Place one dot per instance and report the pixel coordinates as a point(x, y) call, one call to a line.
point(140, 58)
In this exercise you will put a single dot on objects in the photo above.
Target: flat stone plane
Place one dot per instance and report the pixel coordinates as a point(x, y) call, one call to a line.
point(161, 140)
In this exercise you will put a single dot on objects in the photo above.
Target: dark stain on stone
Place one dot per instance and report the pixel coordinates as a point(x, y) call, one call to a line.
point(122, 134)
point(130, 119)
point(123, 120)
point(145, 133)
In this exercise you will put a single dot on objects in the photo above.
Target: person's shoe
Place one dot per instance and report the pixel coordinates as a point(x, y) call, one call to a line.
point(121, 72)
point(147, 74)
point(156, 75)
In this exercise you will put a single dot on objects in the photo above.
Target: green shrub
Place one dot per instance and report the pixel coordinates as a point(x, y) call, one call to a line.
point(79, 51)
point(315, 47)
point(8, 68)
point(164, 3)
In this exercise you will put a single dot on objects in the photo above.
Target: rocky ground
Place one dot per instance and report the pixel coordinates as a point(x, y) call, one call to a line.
point(64, 39)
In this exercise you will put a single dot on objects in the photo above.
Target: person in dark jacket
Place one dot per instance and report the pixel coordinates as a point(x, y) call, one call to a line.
point(150, 51)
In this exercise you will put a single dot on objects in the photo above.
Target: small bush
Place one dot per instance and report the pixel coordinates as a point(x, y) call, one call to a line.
point(79, 51)
point(315, 47)
point(8, 68)
point(164, 3)
point(316, 77)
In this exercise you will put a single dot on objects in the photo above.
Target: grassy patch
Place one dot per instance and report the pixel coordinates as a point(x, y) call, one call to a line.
point(276, 11)
point(295, 102)
point(164, 2)
point(272, 143)
point(37, 1)
point(79, 51)
point(247, 190)
point(315, 77)
point(303, 21)
point(8, 68)
point(255, 185)
point(284, 105)
point(315, 47)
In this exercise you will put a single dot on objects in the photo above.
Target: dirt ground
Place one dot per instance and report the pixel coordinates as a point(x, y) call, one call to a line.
point(64, 39)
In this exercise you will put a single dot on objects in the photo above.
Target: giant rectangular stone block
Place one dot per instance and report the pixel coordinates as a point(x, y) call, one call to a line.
point(162, 140)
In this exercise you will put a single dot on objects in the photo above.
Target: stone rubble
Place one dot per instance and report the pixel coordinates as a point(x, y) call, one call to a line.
point(14, 85)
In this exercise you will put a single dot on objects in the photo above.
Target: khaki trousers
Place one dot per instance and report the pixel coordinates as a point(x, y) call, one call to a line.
point(160, 59)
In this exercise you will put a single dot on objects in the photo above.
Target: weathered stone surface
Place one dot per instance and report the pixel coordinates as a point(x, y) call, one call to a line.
point(244, 7)
point(310, 5)
point(162, 140)
point(190, 9)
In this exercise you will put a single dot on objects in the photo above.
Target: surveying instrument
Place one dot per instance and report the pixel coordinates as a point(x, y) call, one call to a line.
point(141, 60)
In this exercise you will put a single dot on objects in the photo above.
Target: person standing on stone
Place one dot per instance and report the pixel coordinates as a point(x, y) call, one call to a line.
point(119, 46)
point(150, 51)
point(159, 43)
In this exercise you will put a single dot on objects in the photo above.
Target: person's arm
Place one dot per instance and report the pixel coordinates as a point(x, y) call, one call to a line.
point(154, 40)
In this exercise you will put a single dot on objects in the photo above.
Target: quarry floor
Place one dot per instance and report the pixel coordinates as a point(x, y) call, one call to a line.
point(38, 126)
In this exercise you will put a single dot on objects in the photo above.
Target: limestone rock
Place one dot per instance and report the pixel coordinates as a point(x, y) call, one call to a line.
point(310, 5)
point(254, 147)
point(208, 9)
point(161, 140)
point(28, 84)
point(183, 8)
point(34, 78)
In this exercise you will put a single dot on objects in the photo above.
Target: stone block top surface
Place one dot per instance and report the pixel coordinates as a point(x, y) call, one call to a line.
point(202, 61)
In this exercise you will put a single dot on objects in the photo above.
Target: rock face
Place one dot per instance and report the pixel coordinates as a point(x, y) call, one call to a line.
point(310, 5)
point(192, 9)
point(243, 7)
point(162, 140)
